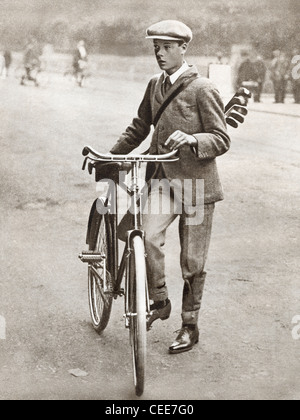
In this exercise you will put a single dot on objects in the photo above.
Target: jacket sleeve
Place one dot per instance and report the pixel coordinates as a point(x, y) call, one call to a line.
point(138, 130)
point(214, 140)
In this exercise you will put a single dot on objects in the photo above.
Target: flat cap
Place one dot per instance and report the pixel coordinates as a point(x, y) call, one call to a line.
point(170, 30)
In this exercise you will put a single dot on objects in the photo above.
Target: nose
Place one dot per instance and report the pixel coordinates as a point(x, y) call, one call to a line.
point(159, 53)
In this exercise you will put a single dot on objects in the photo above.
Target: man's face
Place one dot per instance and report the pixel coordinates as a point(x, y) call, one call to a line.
point(169, 54)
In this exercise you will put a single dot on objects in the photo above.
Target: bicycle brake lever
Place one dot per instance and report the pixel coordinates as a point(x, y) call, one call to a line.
point(84, 163)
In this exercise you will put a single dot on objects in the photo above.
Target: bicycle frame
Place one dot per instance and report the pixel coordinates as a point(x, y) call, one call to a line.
point(93, 156)
point(123, 268)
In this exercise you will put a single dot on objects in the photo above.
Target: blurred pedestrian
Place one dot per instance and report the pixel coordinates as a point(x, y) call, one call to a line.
point(8, 60)
point(2, 64)
point(80, 59)
point(31, 61)
point(5, 63)
point(280, 74)
point(260, 72)
point(219, 60)
point(247, 75)
point(295, 75)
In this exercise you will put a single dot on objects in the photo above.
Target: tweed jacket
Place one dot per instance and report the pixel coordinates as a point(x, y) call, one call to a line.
point(197, 110)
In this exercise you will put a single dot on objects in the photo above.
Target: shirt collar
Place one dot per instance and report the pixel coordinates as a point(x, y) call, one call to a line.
point(177, 73)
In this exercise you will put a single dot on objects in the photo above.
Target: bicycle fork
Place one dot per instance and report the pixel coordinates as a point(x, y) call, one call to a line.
point(128, 252)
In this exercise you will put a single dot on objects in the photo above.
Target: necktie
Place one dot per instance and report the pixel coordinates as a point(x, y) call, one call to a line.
point(166, 85)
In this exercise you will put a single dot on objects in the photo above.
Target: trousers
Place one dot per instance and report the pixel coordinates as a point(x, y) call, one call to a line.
point(194, 243)
point(280, 90)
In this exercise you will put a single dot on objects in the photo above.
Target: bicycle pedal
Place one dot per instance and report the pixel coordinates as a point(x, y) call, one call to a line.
point(91, 257)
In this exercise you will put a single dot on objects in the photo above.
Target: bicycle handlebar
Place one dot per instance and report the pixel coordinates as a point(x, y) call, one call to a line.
point(170, 157)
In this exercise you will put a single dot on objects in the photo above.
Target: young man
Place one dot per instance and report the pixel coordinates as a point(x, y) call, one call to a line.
point(193, 123)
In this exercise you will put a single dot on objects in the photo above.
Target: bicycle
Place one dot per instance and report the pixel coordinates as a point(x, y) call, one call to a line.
point(35, 74)
point(105, 275)
point(78, 76)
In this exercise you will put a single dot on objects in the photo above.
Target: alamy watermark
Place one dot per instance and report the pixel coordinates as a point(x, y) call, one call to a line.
point(296, 69)
point(160, 196)
point(296, 329)
point(2, 328)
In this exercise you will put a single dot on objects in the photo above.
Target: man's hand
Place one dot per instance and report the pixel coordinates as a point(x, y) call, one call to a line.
point(179, 139)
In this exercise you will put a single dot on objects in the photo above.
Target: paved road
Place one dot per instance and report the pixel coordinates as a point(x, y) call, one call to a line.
point(246, 349)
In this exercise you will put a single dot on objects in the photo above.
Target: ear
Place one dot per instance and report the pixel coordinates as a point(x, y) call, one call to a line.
point(184, 47)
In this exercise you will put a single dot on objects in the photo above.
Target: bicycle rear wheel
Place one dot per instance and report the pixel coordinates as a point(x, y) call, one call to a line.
point(100, 282)
point(137, 309)
point(42, 78)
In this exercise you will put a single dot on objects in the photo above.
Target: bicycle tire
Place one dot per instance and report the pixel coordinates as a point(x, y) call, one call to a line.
point(137, 308)
point(100, 300)
point(42, 78)
point(19, 72)
point(87, 81)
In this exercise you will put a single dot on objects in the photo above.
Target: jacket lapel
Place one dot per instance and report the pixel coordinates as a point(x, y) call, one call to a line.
point(159, 98)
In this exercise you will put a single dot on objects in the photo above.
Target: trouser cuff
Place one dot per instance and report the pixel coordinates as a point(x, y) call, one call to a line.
point(190, 317)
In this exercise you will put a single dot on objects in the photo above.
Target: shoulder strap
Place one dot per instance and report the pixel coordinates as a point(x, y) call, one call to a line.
point(171, 97)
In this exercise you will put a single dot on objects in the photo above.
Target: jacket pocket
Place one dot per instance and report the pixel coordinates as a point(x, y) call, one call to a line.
point(185, 112)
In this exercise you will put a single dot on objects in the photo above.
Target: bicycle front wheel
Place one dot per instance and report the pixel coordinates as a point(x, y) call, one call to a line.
point(138, 308)
point(19, 73)
point(99, 274)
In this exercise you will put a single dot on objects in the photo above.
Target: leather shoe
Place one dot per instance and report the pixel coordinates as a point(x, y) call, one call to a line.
point(185, 340)
point(161, 313)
